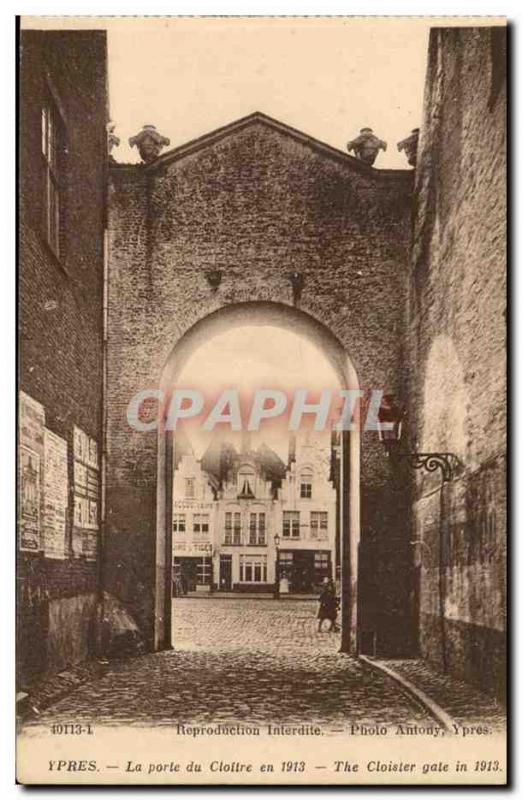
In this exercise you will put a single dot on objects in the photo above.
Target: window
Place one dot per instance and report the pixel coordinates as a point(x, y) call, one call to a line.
point(232, 527)
point(306, 484)
point(252, 569)
point(178, 523)
point(201, 525)
point(246, 484)
point(291, 524)
point(286, 560)
point(321, 566)
point(319, 524)
point(204, 571)
point(190, 488)
point(257, 531)
point(52, 147)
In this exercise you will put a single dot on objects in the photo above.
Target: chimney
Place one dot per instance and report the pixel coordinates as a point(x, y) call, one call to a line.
point(246, 442)
point(291, 449)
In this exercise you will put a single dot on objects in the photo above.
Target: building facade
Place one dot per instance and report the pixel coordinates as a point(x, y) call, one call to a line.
point(306, 519)
point(194, 515)
point(63, 181)
point(258, 527)
point(246, 526)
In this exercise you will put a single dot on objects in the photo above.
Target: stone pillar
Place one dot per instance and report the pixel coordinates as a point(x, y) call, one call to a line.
point(348, 558)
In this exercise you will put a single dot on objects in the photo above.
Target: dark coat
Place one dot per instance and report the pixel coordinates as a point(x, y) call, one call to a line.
point(327, 604)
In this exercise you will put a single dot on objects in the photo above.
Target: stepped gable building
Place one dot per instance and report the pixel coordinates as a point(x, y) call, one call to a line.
point(246, 521)
point(194, 526)
point(306, 518)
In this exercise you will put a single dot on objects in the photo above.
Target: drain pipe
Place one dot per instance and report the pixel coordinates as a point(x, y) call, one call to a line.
point(103, 464)
point(442, 583)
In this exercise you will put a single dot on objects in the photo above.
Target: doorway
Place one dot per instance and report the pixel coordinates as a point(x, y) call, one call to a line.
point(225, 573)
point(245, 534)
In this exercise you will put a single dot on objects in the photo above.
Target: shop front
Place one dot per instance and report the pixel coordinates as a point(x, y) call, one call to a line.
point(192, 570)
point(246, 571)
point(305, 570)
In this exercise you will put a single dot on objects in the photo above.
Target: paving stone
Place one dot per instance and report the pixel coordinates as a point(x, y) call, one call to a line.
point(244, 661)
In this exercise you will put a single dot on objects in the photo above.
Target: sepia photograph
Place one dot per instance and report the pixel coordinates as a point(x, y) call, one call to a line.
point(261, 401)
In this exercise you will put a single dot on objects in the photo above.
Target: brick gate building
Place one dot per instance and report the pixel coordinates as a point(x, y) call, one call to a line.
point(258, 223)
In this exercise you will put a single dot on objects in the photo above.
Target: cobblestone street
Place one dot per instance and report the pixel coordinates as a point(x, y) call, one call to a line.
point(241, 660)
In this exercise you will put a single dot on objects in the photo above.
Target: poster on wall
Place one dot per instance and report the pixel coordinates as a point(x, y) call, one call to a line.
point(55, 495)
point(86, 493)
point(29, 500)
point(81, 445)
point(77, 542)
point(80, 479)
point(31, 422)
point(30, 457)
point(93, 453)
point(89, 545)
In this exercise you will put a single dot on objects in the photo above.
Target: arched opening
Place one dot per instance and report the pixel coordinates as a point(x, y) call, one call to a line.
point(173, 451)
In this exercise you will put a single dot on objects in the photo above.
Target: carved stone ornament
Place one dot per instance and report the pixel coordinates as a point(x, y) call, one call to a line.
point(297, 279)
point(214, 279)
point(410, 145)
point(149, 142)
point(366, 146)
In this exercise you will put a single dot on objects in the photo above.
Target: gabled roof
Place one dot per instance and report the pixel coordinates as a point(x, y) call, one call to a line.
point(258, 118)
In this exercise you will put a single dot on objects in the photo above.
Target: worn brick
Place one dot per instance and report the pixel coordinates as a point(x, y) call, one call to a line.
point(457, 343)
point(60, 314)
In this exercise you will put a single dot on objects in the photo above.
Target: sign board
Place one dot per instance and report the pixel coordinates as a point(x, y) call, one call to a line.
point(192, 505)
point(192, 549)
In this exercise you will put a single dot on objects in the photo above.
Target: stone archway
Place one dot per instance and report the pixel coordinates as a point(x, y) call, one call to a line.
point(255, 213)
point(261, 313)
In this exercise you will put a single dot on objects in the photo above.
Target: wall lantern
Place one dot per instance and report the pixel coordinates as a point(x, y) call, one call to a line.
point(277, 542)
point(392, 413)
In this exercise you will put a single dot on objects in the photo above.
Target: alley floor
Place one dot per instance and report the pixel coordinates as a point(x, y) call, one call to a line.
point(241, 660)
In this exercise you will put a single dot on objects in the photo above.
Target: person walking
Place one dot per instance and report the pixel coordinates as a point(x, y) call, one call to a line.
point(327, 607)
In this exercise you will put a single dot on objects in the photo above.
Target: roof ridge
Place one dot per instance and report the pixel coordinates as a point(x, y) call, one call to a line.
point(223, 131)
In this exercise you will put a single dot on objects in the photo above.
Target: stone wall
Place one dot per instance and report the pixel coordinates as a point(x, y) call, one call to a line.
point(60, 319)
point(255, 201)
point(457, 346)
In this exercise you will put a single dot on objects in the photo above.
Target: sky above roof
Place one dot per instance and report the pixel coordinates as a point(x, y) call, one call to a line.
point(328, 77)
point(251, 357)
